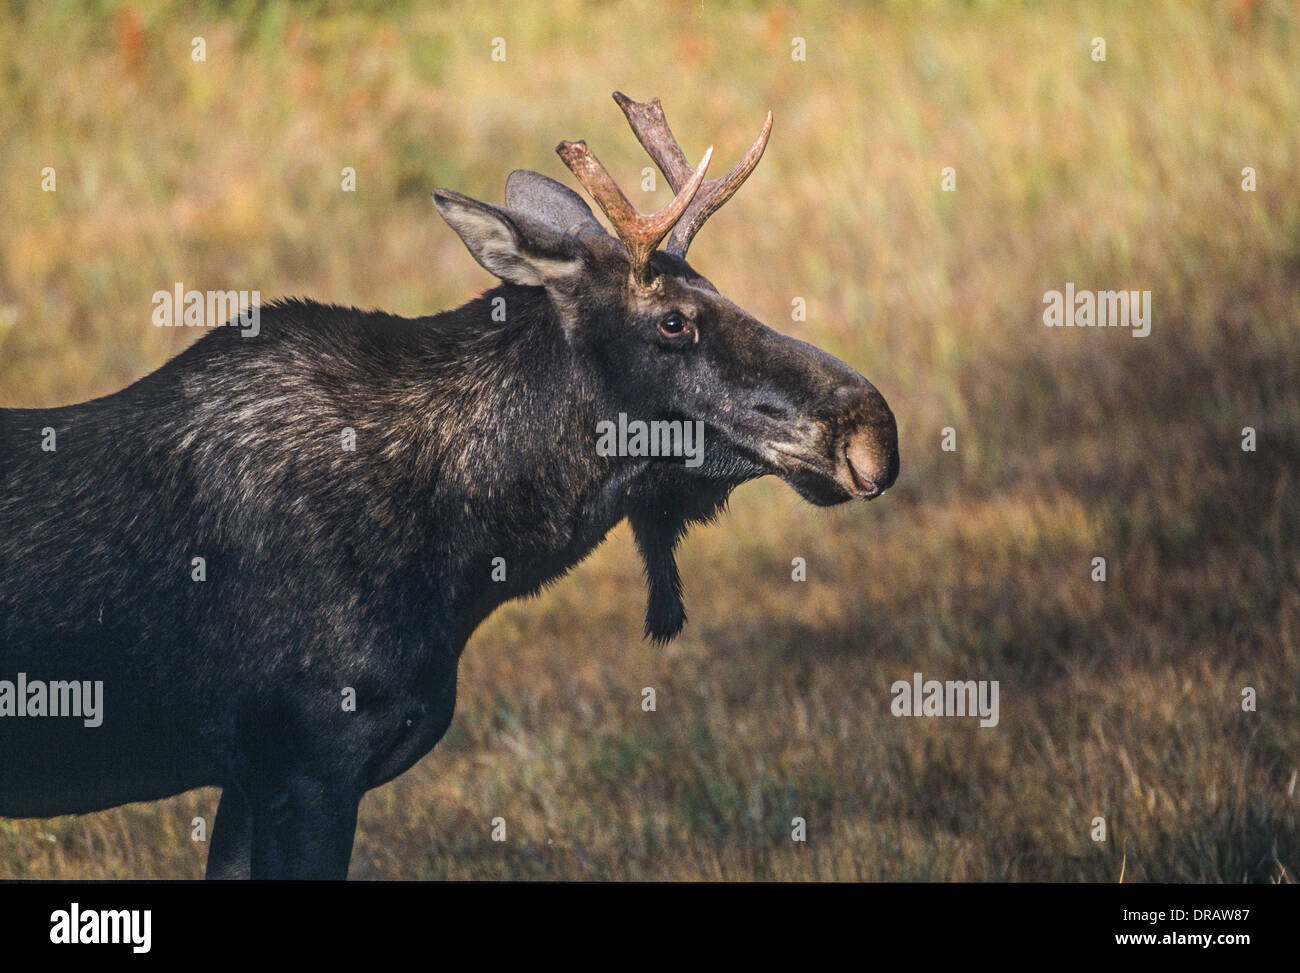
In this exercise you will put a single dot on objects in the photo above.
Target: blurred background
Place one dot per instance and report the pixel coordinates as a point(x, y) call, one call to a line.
point(1119, 700)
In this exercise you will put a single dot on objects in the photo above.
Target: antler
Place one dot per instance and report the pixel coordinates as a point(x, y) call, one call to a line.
point(651, 128)
point(639, 232)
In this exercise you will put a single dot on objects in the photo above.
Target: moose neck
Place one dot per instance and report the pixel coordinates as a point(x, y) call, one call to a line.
point(475, 476)
point(506, 483)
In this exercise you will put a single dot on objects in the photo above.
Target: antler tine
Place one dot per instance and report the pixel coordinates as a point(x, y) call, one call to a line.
point(640, 233)
point(715, 192)
point(652, 131)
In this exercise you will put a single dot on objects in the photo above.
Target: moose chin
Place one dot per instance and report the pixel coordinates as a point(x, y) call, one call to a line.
point(272, 550)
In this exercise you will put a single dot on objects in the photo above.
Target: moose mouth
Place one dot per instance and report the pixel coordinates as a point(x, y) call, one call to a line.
point(820, 482)
point(863, 488)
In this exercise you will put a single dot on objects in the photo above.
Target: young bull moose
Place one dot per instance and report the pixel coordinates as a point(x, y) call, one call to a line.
point(332, 573)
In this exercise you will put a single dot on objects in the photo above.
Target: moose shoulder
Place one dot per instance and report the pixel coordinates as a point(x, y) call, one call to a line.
point(271, 551)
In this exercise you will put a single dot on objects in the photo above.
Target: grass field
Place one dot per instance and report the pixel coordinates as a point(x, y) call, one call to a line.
point(1119, 699)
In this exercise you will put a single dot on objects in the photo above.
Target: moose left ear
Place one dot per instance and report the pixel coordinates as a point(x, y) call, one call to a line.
point(514, 247)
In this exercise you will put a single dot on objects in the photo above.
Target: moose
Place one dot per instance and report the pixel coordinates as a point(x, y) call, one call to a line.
point(348, 480)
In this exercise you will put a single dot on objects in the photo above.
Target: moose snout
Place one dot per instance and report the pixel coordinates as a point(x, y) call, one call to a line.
point(869, 448)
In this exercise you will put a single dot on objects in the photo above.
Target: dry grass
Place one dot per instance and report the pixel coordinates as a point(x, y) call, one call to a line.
point(1119, 699)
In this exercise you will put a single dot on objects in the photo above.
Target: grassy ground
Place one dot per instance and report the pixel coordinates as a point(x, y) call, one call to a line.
point(1119, 699)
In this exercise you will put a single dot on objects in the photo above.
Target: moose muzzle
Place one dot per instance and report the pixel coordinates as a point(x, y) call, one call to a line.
point(870, 448)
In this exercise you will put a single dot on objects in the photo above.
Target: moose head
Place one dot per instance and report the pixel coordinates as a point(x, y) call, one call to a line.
point(652, 338)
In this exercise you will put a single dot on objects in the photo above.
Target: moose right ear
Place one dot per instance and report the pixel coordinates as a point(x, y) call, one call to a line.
point(514, 247)
point(555, 204)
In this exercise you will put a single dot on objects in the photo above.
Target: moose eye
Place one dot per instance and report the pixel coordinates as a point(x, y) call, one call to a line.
point(675, 326)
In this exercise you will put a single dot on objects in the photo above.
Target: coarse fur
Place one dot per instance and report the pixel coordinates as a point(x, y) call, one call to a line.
point(329, 570)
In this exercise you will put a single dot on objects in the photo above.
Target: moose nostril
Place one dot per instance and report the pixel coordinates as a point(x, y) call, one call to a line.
point(771, 411)
point(867, 466)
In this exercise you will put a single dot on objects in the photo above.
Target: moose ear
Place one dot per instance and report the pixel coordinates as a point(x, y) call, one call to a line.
point(513, 246)
point(555, 204)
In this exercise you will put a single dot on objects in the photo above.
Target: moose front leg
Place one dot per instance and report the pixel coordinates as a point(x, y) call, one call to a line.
point(303, 827)
point(231, 852)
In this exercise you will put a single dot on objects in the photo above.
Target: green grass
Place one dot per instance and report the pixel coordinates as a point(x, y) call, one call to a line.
point(1119, 700)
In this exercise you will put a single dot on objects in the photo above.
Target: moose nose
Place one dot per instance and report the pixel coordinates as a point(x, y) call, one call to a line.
point(871, 450)
point(870, 472)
